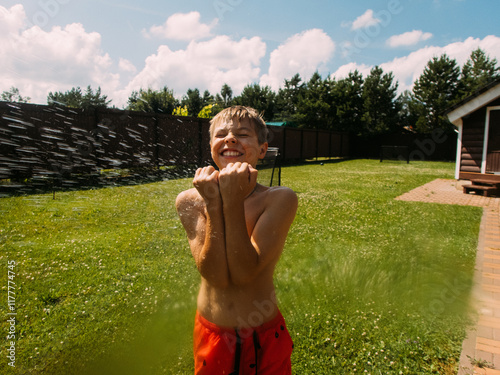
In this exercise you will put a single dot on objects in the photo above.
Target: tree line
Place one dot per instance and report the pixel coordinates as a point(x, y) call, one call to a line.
point(361, 105)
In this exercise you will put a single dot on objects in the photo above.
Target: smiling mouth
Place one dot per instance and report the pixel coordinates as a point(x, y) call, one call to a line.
point(231, 153)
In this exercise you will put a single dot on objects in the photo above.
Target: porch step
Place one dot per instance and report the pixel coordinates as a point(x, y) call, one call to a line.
point(483, 187)
point(478, 181)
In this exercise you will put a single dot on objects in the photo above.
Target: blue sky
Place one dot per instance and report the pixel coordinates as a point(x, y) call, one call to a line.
point(123, 45)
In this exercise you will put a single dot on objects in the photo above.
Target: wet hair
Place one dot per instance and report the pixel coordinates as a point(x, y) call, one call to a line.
point(240, 112)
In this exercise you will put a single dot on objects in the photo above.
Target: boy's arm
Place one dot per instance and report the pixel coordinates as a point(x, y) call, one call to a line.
point(204, 225)
point(248, 255)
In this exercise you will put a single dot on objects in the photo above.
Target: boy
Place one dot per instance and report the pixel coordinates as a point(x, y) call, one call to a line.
point(236, 230)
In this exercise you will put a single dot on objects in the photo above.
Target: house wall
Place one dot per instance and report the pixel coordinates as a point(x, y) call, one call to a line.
point(473, 140)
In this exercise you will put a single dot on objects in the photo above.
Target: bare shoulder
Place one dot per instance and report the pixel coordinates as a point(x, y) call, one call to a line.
point(190, 207)
point(189, 200)
point(283, 198)
point(282, 193)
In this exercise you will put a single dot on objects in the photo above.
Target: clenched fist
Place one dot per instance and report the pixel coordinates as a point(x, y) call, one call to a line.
point(237, 181)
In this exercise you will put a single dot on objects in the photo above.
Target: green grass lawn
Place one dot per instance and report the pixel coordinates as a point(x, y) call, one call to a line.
point(105, 283)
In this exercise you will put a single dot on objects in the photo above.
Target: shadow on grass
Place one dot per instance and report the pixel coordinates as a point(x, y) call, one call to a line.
point(114, 178)
point(109, 178)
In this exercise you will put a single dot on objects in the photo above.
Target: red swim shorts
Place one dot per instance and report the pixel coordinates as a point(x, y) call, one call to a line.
point(258, 350)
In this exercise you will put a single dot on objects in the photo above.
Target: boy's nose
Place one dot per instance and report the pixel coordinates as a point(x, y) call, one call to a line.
point(230, 138)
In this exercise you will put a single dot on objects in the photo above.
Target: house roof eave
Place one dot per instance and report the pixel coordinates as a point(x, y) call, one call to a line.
point(474, 102)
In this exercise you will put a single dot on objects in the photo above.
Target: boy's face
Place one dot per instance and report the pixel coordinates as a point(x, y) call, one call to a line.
point(236, 141)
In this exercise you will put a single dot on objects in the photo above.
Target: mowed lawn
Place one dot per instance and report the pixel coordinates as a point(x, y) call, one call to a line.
point(105, 283)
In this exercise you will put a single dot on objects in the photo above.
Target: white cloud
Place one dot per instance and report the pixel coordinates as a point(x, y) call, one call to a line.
point(407, 69)
point(182, 26)
point(11, 20)
point(344, 70)
point(409, 38)
point(365, 20)
point(302, 53)
point(126, 66)
point(203, 65)
point(37, 61)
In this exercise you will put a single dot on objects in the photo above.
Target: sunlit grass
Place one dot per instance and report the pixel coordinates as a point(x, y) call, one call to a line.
point(106, 283)
point(383, 285)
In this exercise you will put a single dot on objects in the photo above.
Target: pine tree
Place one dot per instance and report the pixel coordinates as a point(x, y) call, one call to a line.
point(262, 98)
point(436, 90)
point(207, 99)
point(226, 95)
point(13, 95)
point(74, 98)
point(347, 96)
point(380, 107)
point(287, 99)
point(408, 113)
point(162, 101)
point(193, 101)
point(478, 71)
point(312, 106)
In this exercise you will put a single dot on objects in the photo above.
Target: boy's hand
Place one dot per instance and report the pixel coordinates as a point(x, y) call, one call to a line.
point(206, 181)
point(237, 181)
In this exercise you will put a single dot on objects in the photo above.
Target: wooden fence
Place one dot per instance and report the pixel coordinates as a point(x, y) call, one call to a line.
point(435, 146)
point(51, 141)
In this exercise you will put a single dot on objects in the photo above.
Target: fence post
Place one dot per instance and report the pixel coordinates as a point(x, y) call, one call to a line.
point(200, 143)
point(301, 143)
point(156, 150)
point(317, 143)
point(329, 144)
point(284, 142)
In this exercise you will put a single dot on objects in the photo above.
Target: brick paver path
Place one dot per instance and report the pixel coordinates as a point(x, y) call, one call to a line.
point(483, 341)
point(448, 192)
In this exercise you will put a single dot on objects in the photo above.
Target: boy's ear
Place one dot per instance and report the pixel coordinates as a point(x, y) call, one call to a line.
point(263, 150)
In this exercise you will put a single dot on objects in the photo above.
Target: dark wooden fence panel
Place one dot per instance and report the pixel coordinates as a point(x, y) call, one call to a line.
point(45, 141)
point(336, 141)
point(324, 147)
point(293, 144)
point(18, 137)
point(345, 145)
point(67, 143)
point(206, 155)
point(277, 138)
point(48, 141)
point(435, 146)
point(124, 141)
point(309, 144)
point(178, 140)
